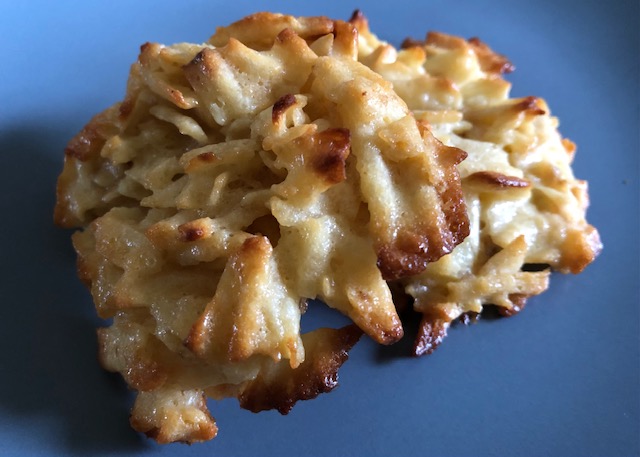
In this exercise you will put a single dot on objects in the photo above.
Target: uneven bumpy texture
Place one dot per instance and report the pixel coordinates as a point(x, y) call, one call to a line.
point(526, 209)
point(289, 159)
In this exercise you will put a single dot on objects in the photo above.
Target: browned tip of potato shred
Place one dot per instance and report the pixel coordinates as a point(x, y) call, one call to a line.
point(280, 386)
point(295, 158)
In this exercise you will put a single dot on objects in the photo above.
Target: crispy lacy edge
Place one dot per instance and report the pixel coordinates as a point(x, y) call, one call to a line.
point(279, 386)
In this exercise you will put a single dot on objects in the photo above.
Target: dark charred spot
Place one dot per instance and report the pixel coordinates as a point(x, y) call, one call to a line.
point(281, 387)
point(430, 334)
point(410, 252)
point(144, 47)
point(198, 59)
point(357, 16)
point(394, 263)
point(496, 181)
point(530, 106)
point(519, 302)
point(198, 70)
point(331, 148)
point(207, 157)
point(281, 105)
point(411, 43)
point(190, 233)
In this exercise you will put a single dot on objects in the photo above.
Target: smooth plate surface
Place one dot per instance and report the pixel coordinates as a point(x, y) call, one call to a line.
point(561, 378)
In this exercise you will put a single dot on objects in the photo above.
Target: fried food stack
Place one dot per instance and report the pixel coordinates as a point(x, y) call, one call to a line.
point(289, 159)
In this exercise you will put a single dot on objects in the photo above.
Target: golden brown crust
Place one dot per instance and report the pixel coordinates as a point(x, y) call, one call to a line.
point(494, 181)
point(580, 248)
point(490, 61)
point(281, 387)
point(297, 158)
point(398, 162)
point(280, 107)
point(517, 179)
point(431, 333)
point(90, 140)
point(328, 152)
point(409, 43)
point(519, 301)
point(412, 251)
point(257, 30)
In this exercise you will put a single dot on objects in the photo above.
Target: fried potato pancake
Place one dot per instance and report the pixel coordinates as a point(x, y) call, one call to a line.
point(289, 159)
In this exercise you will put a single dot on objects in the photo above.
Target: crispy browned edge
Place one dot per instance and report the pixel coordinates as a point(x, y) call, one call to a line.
point(412, 251)
point(282, 386)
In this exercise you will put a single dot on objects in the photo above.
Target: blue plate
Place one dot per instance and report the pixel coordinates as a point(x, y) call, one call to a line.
point(561, 378)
